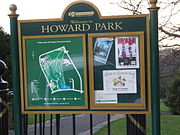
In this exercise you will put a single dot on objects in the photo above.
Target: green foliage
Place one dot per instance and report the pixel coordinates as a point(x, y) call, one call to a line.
point(4, 44)
point(163, 107)
point(5, 54)
point(168, 67)
point(162, 88)
point(172, 95)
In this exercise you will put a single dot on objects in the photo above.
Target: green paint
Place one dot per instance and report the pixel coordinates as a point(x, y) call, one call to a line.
point(15, 76)
point(55, 71)
point(155, 73)
point(88, 25)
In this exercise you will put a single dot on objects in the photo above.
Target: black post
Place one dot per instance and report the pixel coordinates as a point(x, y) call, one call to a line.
point(3, 101)
point(136, 124)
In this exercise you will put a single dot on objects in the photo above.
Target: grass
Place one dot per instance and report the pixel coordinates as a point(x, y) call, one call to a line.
point(117, 128)
point(170, 124)
point(163, 107)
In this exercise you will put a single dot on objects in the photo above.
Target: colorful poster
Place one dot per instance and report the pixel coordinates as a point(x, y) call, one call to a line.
point(102, 48)
point(119, 81)
point(127, 52)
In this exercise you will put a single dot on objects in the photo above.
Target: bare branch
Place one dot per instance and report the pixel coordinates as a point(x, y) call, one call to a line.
point(168, 33)
point(169, 26)
point(175, 45)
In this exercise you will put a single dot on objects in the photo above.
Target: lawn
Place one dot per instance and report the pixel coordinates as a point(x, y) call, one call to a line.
point(117, 128)
point(170, 125)
point(163, 107)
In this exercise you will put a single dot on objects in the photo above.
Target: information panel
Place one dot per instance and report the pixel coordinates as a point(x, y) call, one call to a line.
point(85, 63)
point(55, 71)
point(117, 68)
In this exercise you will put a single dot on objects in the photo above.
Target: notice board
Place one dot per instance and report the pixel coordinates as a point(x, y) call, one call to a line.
point(85, 63)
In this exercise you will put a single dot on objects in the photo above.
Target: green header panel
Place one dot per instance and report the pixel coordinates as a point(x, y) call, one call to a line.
point(85, 63)
point(83, 18)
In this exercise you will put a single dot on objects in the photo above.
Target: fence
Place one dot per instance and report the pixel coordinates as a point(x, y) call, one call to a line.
point(73, 125)
point(50, 124)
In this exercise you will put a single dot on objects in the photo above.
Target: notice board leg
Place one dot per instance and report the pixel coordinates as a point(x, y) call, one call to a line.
point(15, 69)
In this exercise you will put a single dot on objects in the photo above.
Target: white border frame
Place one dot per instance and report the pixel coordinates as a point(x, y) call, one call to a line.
point(118, 66)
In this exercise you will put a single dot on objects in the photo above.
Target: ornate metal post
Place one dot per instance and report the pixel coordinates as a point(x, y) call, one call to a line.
point(3, 101)
point(155, 67)
point(15, 69)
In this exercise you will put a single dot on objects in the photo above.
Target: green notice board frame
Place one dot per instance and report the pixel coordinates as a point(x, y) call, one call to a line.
point(85, 63)
point(54, 72)
point(117, 81)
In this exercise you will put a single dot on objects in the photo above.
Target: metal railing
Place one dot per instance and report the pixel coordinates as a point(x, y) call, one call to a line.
point(3, 101)
point(56, 125)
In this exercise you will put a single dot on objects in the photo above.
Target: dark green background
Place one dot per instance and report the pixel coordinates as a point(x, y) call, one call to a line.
point(34, 72)
point(111, 65)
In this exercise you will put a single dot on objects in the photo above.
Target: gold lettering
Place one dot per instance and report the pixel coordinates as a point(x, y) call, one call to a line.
point(45, 29)
point(117, 25)
point(77, 27)
point(100, 26)
point(110, 26)
point(85, 27)
point(103, 27)
point(70, 28)
point(63, 28)
point(97, 26)
point(54, 28)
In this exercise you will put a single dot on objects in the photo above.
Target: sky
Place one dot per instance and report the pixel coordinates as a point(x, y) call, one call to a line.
point(46, 9)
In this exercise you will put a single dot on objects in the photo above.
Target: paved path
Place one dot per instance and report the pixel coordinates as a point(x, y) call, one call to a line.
point(82, 124)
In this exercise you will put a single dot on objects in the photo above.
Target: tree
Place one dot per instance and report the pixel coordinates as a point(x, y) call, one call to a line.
point(5, 54)
point(168, 26)
point(169, 34)
point(4, 44)
point(172, 95)
point(169, 64)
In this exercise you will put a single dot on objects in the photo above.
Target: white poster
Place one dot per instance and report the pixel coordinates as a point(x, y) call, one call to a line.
point(101, 97)
point(119, 81)
point(127, 52)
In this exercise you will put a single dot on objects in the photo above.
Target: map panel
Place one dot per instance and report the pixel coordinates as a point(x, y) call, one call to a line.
point(55, 71)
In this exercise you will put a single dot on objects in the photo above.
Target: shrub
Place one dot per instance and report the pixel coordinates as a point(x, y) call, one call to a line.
point(173, 95)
